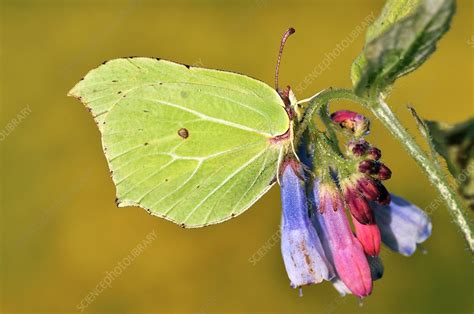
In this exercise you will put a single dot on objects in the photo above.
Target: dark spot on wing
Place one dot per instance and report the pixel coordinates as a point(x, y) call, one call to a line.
point(184, 94)
point(119, 92)
point(114, 81)
point(146, 143)
point(184, 133)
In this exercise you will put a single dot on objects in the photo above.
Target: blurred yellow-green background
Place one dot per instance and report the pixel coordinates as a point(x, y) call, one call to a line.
point(60, 229)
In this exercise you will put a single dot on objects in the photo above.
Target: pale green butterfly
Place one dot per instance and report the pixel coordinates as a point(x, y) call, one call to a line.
point(192, 145)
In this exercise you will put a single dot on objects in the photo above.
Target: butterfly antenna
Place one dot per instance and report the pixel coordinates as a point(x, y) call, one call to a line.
point(287, 34)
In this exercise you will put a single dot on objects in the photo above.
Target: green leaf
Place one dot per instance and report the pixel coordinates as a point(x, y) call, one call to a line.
point(456, 144)
point(399, 41)
point(392, 12)
point(191, 145)
point(425, 131)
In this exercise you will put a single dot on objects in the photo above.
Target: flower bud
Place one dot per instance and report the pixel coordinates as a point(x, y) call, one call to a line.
point(368, 187)
point(358, 205)
point(384, 173)
point(374, 153)
point(303, 255)
point(369, 166)
point(375, 168)
point(369, 237)
point(353, 121)
point(372, 190)
point(358, 148)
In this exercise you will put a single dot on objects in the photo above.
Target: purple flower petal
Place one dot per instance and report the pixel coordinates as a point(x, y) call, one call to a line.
point(301, 248)
point(342, 248)
point(402, 225)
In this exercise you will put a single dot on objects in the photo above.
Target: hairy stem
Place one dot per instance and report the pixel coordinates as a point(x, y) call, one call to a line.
point(455, 205)
point(321, 99)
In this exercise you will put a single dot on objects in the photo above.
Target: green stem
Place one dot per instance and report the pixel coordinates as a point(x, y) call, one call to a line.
point(330, 127)
point(322, 98)
point(383, 112)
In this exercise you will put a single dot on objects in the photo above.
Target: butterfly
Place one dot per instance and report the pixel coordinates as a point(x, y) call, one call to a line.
point(192, 145)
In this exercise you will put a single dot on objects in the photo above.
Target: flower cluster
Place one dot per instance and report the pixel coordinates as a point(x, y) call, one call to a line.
point(320, 194)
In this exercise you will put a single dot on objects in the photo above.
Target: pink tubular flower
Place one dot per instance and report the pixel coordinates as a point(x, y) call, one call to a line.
point(369, 237)
point(400, 226)
point(342, 248)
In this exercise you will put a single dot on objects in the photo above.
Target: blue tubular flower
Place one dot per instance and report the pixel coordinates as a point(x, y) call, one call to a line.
point(301, 248)
point(402, 225)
